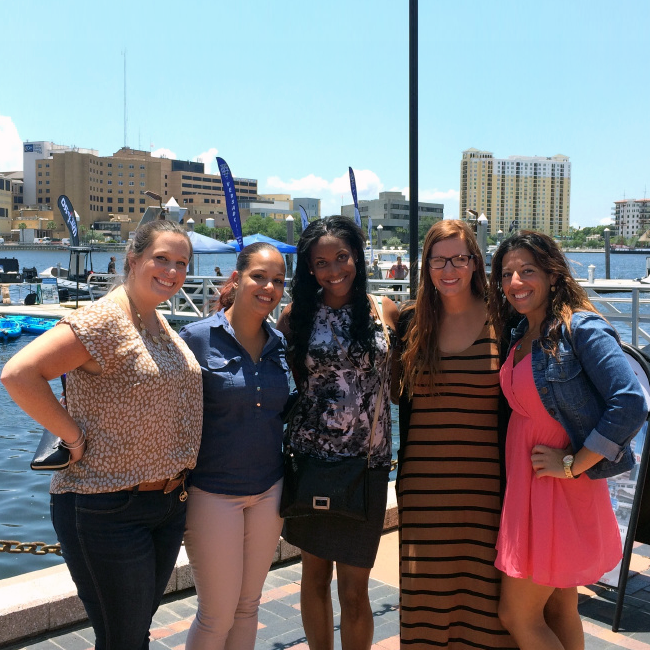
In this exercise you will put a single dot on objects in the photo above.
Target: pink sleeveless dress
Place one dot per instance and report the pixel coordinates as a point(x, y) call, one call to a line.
point(558, 532)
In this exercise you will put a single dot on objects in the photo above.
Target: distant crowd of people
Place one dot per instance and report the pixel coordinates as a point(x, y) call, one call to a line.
point(515, 402)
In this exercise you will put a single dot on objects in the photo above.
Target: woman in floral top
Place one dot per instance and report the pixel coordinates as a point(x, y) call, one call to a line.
point(339, 357)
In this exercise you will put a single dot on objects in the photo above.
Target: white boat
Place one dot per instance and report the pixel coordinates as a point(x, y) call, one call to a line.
point(79, 279)
point(387, 257)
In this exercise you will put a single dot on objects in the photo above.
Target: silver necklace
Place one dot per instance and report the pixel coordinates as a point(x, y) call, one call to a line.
point(162, 337)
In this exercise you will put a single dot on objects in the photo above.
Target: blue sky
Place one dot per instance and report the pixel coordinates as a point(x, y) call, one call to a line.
point(292, 93)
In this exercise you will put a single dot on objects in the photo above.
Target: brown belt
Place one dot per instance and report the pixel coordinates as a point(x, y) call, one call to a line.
point(167, 485)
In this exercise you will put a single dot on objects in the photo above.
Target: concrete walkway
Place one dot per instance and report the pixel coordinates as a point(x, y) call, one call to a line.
point(280, 625)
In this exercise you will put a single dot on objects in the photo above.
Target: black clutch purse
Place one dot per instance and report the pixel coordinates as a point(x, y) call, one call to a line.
point(50, 454)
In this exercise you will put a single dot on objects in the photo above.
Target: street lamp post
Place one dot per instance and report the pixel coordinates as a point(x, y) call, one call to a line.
point(379, 229)
point(190, 227)
point(481, 233)
point(290, 238)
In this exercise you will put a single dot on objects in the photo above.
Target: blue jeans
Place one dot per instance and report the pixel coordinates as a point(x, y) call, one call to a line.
point(120, 548)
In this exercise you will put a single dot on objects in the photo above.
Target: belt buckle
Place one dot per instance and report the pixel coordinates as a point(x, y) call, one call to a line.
point(173, 483)
point(170, 485)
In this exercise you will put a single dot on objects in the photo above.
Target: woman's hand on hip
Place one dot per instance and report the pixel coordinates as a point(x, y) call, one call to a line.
point(547, 461)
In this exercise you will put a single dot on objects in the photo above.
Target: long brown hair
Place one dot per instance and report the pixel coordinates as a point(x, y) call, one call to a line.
point(421, 352)
point(567, 298)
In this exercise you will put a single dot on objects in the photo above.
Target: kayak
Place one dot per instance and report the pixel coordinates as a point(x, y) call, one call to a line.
point(9, 329)
point(33, 325)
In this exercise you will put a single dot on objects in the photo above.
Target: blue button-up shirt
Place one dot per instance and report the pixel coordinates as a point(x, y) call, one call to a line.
point(241, 447)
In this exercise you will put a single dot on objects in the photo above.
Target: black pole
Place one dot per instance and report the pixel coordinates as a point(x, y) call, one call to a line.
point(413, 146)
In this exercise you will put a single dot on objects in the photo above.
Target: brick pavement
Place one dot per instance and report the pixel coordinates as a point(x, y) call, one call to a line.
point(280, 625)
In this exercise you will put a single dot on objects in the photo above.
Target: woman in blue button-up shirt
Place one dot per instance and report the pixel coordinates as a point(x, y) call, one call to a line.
point(233, 524)
point(576, 406)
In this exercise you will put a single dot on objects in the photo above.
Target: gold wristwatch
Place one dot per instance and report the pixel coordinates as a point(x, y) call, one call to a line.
point(567, 463)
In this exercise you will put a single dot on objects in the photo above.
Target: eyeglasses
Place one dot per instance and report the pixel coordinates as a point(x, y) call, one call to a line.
point(457, 261)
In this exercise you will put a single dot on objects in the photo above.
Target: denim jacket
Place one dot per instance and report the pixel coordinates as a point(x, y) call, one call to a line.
point(591, 390)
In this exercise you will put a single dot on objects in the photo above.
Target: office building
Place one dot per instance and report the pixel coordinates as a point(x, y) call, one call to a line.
point(631, 217)
point(391, 210)
point(6, 197)
point(311, 206)
point(41, 150)
point(530, 192)
point(101, 187)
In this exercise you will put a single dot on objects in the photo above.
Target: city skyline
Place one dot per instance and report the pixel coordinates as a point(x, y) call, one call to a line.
point(293, 94)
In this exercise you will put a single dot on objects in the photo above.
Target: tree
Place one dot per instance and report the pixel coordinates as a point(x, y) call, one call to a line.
point(424, 225)
point(51, 225)
point(256, 223)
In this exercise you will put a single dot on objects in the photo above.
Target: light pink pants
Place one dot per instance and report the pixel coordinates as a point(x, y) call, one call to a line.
point(230, 543)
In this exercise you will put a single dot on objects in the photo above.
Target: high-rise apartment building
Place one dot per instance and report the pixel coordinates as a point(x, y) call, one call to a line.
point(530, 192)
point(631, 217)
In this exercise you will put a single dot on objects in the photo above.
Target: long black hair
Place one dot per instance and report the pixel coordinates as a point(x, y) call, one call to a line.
point(306, 294)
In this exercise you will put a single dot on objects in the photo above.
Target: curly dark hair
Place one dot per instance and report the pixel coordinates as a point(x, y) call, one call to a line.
point(568, 297)
point(306, 294)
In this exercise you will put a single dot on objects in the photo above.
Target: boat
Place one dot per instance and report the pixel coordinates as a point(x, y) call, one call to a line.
point(9, 271)
point(387, 258)
point(617, 250)
point(9, 329)
point(34, 325)
point(76, 280)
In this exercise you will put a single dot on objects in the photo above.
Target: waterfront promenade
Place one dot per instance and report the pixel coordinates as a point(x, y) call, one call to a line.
point(280, 625)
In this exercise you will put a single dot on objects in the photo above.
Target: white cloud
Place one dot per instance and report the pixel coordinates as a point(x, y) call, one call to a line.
point(208, 158)
point(164, 153)
point(607, 221)
point(332, 193)
point(337, 192)
point(11, 146)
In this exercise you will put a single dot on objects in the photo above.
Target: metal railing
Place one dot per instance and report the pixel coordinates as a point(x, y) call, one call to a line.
point(625, 305)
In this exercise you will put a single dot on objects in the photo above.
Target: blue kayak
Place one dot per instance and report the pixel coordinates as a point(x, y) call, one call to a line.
point(34, 325)
point(9, 329)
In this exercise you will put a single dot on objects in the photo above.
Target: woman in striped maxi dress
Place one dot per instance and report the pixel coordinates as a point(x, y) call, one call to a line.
point(449, 480)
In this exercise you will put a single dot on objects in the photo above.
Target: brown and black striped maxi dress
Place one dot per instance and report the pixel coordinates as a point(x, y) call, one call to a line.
point(449, 507)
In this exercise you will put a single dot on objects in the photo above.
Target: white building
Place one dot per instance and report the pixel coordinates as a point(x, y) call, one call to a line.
point(631, 217)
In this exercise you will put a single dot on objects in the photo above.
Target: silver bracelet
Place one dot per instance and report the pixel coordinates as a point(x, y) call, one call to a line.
point(74, 445)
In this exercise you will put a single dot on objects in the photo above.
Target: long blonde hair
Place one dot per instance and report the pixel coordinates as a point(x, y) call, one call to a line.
point(421, 351)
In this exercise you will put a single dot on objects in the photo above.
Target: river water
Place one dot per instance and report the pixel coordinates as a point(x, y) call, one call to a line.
point(24, 498)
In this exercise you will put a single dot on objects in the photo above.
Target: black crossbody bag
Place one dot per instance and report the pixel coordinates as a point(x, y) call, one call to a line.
point(318, 487)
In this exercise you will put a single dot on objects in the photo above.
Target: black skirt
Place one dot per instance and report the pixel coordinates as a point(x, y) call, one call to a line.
point(340, 539)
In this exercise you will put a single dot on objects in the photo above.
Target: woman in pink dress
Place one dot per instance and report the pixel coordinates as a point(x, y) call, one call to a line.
point(576, 404)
